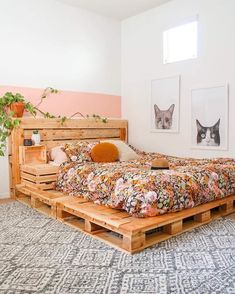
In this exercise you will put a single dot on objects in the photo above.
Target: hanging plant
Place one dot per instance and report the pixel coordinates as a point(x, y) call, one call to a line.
point(12, 107)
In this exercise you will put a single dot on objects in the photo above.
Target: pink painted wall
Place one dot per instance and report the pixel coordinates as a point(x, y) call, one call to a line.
point(68, 102)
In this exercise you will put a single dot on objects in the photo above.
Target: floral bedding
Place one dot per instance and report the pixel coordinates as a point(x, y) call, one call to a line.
point(142, 192)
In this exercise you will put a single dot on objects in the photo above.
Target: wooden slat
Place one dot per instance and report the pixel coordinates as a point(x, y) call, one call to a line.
point(39, 179)
point(73, 134)
point(149, 223)
point(123, 134)
point(40, 169)
point(203, 217)
point(41, 123)
point(43, 186)
point(16, 140)
point(52, 144)
point(174, 228)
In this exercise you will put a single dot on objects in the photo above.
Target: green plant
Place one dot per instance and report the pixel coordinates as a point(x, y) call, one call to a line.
point(10, 98)
point(35, 132)
point(8, 122)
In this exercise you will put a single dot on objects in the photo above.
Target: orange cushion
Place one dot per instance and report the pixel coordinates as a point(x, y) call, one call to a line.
point(104, 152)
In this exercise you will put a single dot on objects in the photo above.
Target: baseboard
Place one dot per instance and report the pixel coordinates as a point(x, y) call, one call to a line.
point(4, 195)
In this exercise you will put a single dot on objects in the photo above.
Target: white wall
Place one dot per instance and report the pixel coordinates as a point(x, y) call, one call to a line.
point(142, 60)
point(49, 43)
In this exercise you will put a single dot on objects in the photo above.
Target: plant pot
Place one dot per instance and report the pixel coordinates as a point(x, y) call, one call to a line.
point(17, 108)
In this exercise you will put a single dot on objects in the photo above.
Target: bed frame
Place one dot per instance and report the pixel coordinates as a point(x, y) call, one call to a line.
point(53, 133)
point(115, 227)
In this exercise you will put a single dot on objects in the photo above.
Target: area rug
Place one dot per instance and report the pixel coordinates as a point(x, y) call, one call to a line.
point(42, 255)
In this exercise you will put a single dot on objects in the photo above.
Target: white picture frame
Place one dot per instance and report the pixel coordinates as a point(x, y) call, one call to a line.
point(210, 117)
point(164, 93)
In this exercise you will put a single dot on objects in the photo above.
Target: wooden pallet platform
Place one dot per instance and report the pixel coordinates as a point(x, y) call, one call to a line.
point(120, 230)
point(43, 201)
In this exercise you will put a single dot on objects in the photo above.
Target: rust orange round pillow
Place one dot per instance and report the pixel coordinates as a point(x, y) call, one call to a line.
point(104, 152)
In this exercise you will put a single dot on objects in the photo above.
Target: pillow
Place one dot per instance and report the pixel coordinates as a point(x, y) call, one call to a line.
point(125, 152)
point(104, 152)
point(80, 151)
point(58, 156)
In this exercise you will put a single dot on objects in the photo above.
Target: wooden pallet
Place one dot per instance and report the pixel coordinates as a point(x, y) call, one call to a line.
point(36, 154)
point(120, 230)
point(43, 201)
point(54, 133)
point(41, 176)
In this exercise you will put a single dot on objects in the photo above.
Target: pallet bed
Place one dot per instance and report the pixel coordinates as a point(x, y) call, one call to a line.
point(115, 227)
point(119, 229)
point(136, 234)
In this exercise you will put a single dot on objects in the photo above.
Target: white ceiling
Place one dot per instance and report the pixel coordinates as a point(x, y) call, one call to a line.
point(118, 9)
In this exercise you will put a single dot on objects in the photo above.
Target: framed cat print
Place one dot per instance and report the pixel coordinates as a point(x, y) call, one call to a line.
point(210, 118)
point(165, 95)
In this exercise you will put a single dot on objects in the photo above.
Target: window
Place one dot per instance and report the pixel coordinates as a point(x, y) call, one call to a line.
point(180, 43)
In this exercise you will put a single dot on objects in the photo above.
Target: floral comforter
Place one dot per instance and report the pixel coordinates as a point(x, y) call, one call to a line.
point(142, 192)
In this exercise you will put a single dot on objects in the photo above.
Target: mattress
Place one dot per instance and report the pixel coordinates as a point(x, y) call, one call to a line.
point(132, 186)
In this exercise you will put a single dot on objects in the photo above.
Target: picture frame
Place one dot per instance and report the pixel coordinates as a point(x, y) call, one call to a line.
point(165, 104)
point(210, 117)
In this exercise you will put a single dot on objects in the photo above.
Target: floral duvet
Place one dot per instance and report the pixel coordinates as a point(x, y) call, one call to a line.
point(142, 192)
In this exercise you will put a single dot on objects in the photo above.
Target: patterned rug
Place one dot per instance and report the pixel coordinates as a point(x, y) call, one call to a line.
point(41, 255)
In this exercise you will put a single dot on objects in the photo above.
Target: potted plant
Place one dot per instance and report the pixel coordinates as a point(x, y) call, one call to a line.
point(14, 103)
point(12, 107)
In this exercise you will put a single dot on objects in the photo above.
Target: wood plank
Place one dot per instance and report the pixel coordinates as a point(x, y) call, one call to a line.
point(44, 186)
point(123, 134)
point(66, 201)
point(147, 224)
point(23, 189)
point(52, 144)
point(39, 179)
point(40, 169)
point(73, 134)
point(174, 228)
point(41, 123)
point(131, 243)
point(91, 227)
point(202, 217)
point(228, 206)
point(36, 203)
point(16, 140)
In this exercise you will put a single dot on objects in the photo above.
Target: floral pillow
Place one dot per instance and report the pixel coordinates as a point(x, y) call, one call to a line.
point(80, 151)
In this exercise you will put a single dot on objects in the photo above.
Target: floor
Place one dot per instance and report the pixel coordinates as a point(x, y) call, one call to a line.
point(41, 255)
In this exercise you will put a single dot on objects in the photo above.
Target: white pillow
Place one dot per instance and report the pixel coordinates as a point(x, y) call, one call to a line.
point(125, 152)
point(58, 156)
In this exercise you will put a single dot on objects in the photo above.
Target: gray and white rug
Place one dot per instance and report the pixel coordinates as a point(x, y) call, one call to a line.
point(41, 255)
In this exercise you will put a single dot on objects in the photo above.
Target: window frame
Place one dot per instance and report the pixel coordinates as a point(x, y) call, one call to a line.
point(165, 41)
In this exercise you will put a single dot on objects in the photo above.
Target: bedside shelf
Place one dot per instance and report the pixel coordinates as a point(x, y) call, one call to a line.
point(32, 154)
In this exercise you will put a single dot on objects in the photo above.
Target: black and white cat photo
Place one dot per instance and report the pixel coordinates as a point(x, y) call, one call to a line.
point(164, 118)
point(208, 136)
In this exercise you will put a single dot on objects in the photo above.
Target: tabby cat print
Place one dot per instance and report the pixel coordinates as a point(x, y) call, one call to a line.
point(164, 118)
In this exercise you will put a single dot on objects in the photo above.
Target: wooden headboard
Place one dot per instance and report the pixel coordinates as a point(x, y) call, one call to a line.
point(53, 133)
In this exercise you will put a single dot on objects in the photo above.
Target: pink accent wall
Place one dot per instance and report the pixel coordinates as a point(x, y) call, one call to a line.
point(69, 102)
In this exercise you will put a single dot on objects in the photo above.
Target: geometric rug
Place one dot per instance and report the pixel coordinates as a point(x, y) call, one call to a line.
point(41, 255)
